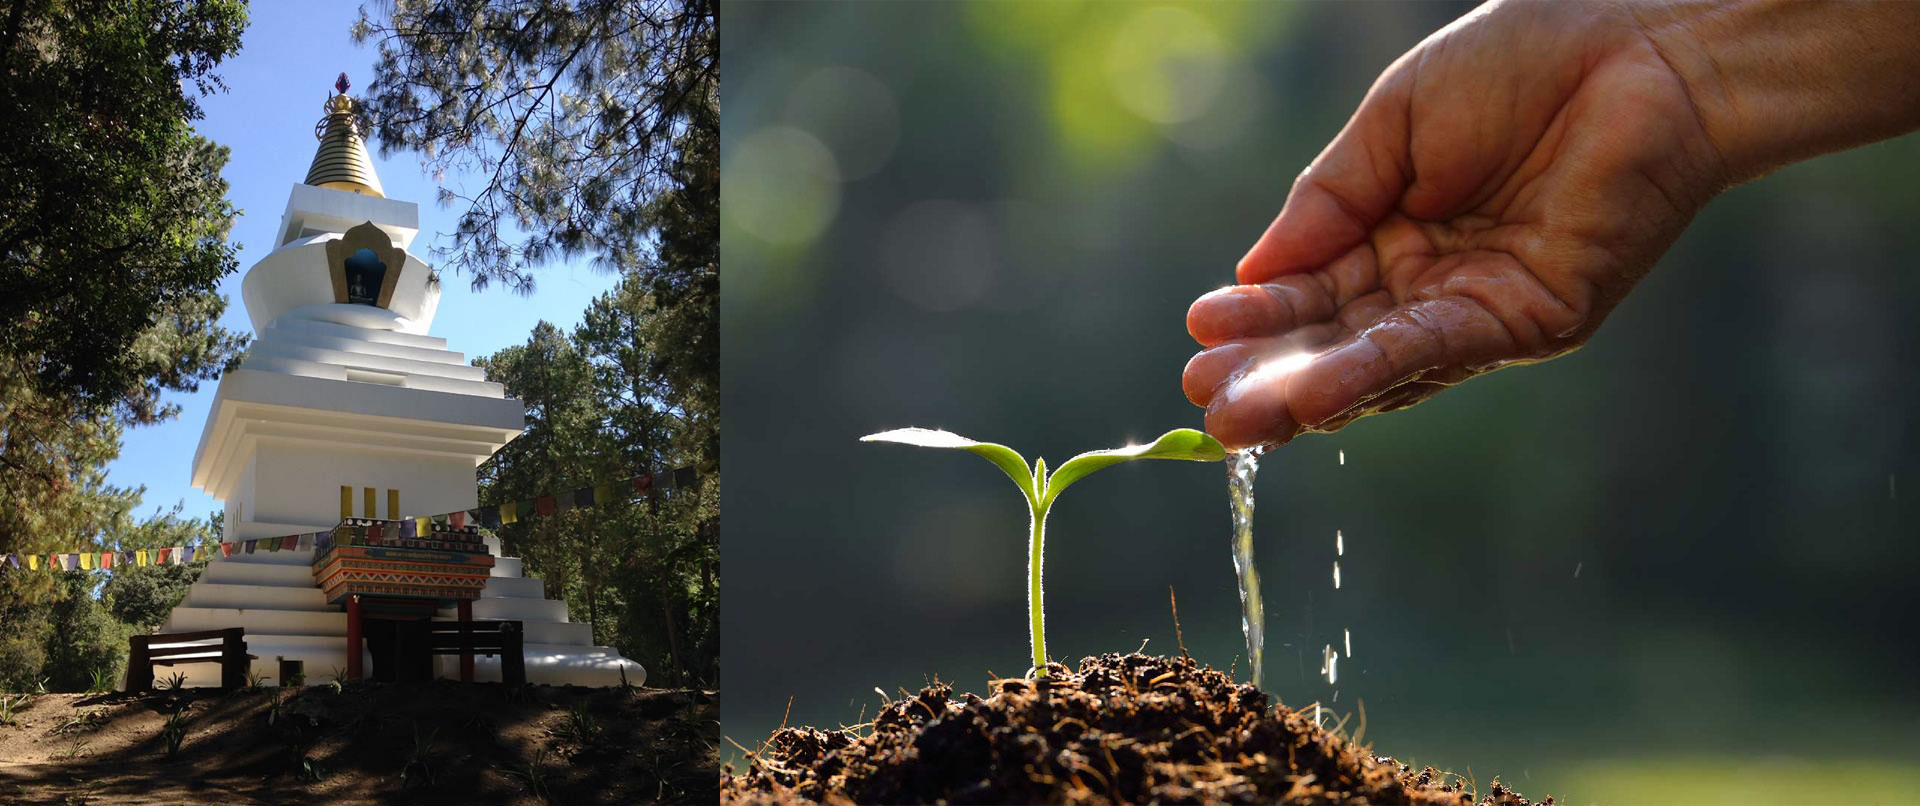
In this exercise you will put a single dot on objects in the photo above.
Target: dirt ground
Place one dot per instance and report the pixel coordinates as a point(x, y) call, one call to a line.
point(1119, 729)
point(438, 743)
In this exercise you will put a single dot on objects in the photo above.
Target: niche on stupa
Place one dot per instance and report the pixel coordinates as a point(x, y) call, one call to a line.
point(365, 265)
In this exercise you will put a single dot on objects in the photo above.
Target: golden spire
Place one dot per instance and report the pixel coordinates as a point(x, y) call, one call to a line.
point(342, 162)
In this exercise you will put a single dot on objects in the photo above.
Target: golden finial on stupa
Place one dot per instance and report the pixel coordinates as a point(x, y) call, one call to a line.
point(342, 163)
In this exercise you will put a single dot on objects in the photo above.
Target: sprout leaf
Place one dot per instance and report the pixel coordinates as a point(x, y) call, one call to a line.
point(1003, 457)
point(1180, 443)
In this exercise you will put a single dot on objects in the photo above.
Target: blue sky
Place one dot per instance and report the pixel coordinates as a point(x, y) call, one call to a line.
point(276, 85)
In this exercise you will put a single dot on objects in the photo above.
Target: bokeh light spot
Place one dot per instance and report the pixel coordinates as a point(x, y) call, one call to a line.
point(780, 185)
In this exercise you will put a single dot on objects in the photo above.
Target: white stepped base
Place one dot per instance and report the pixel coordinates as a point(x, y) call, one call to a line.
point(512, 609)
point(271, 595)
point(256, 621)
point(259, 622)
point(514, 588)
point(232, 572)
point(552, 665)
point(261, 597)
point(547, 664)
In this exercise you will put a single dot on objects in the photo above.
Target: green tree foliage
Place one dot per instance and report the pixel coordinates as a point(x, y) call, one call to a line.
point(114, 234)
point(75, 623)
point(142, 596)
point(113, 240)
point(112, 243)
point(571, 108)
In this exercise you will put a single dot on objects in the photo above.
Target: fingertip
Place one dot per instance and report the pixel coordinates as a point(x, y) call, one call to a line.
point(1233, 312)
point(1208, 369)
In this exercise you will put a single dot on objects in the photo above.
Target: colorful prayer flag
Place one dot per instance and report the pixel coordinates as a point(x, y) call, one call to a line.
point(544, 505)
point(457, 519)
point(251, 544)
point(33, 562)
point(226, 549)
point(186, 554)
point(643, 482)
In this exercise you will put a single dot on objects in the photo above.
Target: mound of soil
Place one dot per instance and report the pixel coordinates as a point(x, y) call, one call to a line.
point(1120, 729)
point(438, 743)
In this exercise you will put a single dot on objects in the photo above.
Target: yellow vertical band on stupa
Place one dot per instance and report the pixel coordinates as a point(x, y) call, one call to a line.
point(346, 501)
point(367, 502)
point(393, 505)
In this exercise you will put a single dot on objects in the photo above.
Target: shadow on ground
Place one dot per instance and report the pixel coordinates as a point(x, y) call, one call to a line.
point(438, 743)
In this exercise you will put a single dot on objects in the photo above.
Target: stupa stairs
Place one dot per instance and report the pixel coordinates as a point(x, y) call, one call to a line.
point(272, 595)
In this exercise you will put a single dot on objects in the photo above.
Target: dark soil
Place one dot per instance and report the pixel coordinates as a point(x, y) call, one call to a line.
point(1120, 729)
point(438, 743)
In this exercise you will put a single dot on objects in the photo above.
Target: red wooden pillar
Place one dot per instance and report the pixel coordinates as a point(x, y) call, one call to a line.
point(466, 641)
point(353, 637)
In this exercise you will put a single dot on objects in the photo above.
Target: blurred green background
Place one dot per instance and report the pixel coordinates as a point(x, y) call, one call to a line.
point(1675, 566)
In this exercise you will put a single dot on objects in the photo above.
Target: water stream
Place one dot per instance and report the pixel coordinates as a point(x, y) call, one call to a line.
point(1241, 467)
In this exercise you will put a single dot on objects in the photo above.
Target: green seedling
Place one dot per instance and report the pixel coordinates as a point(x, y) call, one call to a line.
point(1042, 489)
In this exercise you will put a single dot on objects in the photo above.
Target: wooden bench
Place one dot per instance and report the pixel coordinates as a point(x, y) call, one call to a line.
point(226, 647)
point(421, 640)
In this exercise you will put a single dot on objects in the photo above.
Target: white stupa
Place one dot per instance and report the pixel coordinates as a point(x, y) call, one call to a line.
point(345, 406)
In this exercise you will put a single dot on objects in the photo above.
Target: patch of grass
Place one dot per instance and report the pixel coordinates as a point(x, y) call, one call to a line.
point(10, 705)
point(421, 758)
point(174, 732)
point(533, 775)
point(83, 722)
point(101, 680)
point(256, 681)
point(174, 682)
point(582, 728)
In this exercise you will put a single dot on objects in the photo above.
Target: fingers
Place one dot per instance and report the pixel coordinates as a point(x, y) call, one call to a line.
point(1355, 182)
point(1212, 368)
point(1253, 311)
point(1293, 301)
point(1263, 397)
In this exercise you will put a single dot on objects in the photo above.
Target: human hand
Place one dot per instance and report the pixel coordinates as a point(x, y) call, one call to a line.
point(1505, 183)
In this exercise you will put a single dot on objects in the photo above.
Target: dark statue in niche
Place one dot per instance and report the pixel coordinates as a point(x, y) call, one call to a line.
point(365, 273)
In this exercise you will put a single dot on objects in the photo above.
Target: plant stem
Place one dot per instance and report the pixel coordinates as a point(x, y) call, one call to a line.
point(1036, 612)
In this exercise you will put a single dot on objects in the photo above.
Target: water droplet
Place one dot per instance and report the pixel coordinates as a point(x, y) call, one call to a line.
point(1576, 569)
point(1336, 576)
point(1330, 664)
point(1343, 458)
point(1339, 543)
point(1349, 634)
